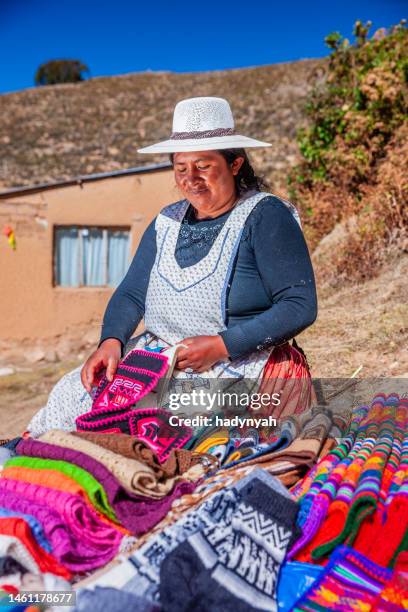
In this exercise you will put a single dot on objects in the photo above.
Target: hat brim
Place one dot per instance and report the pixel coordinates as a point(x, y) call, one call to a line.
point(204, 144)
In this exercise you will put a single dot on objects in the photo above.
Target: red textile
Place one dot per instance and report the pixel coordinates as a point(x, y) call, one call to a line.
point(18, 528)
point(287, 373)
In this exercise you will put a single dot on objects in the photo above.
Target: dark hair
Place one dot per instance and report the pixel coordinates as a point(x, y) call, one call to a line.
point(246, 179)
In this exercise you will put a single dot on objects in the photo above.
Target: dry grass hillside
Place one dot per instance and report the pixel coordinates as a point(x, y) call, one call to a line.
point(61, 131)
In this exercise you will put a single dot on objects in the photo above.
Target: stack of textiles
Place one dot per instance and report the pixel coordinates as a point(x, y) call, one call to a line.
point(227, 552)
point(240, 540)
point(72, 502)
point(139, 514)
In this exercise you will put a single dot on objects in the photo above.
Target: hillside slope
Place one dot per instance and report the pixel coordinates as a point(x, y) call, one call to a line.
point(62, 131)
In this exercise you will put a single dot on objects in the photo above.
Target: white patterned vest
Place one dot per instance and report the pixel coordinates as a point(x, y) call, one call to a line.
point(184, 302)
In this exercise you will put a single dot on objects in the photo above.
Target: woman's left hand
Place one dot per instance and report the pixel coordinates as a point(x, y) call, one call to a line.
point(202, 353)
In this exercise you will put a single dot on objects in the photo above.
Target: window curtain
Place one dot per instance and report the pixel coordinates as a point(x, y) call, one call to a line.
point(67, 257)
point(93, 259)
point(118, 256)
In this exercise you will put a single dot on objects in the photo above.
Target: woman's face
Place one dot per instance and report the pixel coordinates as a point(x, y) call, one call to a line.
point(207, 181)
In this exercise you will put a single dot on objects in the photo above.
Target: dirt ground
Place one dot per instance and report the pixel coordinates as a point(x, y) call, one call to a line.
point(362, 327)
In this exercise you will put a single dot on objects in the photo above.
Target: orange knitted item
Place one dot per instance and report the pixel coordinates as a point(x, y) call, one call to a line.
point(53, 479)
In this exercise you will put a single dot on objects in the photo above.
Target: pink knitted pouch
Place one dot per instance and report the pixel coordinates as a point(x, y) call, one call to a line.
point(148, 424)
point(135, 377)
point(153, 427)
point(107, 420)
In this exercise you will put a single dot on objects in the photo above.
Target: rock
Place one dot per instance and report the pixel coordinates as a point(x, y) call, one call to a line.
point(51, 356)
point(63, 348)
point(35, 355)
point(91, 337)
point(6, 371)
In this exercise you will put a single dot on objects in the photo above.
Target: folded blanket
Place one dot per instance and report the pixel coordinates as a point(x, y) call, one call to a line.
point(52, 479)
point(133, 475)
point(179, 461)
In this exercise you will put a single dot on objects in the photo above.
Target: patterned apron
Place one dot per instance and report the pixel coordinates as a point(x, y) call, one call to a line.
point(192, 301)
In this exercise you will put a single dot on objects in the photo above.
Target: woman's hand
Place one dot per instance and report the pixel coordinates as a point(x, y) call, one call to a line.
point(106, 356)
point(202, 353)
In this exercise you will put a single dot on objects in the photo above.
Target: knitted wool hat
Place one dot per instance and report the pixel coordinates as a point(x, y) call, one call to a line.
point(203, 124)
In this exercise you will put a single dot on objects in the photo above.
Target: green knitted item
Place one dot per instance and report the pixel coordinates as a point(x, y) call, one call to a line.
point(91, 486)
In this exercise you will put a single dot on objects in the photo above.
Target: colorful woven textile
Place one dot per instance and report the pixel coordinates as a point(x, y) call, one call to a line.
point(350, 490)
point(373, 525)
point(358, 493)
point(349, 582)
point(394, 596)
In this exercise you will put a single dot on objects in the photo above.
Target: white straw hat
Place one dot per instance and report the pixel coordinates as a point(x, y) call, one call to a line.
point(203, 124)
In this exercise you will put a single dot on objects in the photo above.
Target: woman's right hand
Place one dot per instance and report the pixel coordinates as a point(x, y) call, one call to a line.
point(106, 356)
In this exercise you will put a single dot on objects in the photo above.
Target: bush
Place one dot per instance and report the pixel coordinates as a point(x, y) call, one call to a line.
point(60, 71)
point(354, 112)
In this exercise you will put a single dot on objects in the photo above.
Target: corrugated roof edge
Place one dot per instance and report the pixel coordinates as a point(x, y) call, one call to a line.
point(83, 179)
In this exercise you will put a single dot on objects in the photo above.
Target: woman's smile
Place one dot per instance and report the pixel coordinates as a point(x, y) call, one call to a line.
point(206, 180)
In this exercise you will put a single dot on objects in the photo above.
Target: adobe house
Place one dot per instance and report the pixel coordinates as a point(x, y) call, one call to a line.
point(74, 242)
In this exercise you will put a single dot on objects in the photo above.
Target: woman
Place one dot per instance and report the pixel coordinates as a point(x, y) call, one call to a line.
point(225, 271)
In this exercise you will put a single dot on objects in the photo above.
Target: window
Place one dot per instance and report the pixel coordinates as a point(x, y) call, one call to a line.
point(91, 256)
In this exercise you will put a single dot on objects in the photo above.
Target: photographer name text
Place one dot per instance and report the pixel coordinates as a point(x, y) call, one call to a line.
point(218, 421)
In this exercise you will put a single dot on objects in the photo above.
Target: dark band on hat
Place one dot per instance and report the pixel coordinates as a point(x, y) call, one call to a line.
point(207, 134)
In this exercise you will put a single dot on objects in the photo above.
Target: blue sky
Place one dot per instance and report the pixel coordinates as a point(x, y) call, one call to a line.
point(119, 36)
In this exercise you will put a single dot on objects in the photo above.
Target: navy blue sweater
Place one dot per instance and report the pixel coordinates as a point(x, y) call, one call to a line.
point(272, 295)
